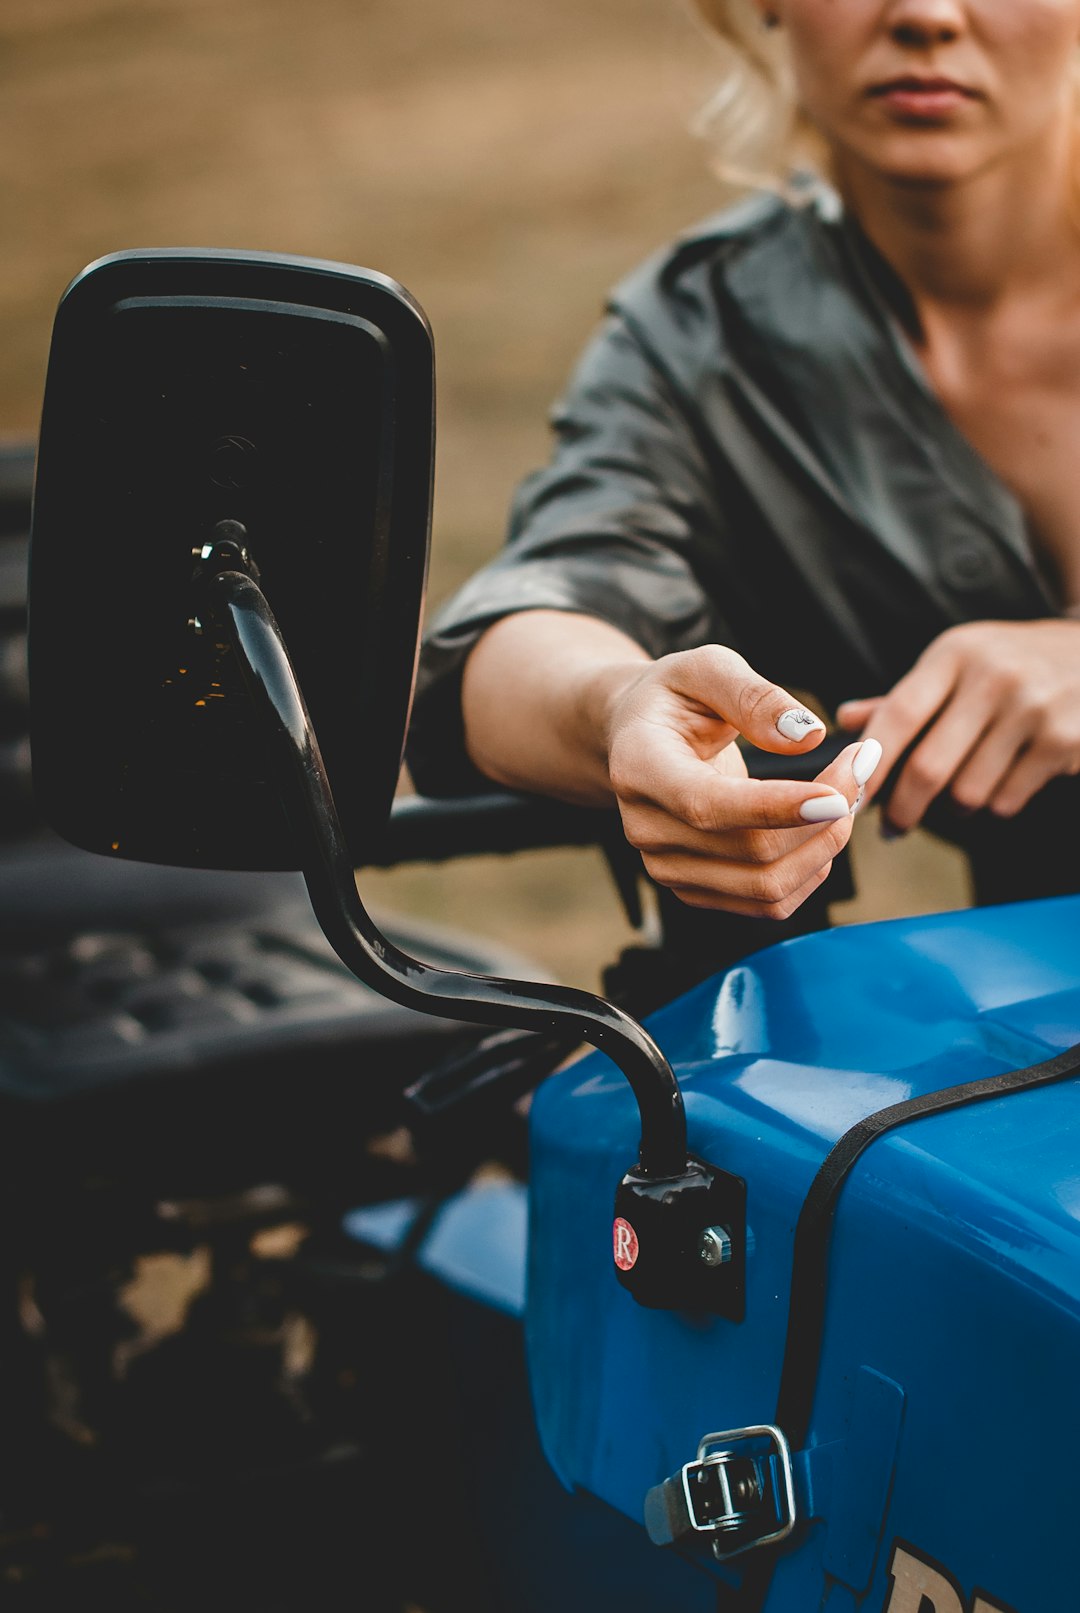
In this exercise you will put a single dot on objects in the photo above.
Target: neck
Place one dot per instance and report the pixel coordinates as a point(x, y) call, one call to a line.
point(974, 242)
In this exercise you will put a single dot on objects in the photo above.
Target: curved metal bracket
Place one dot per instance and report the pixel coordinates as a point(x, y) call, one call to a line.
point(234, 599)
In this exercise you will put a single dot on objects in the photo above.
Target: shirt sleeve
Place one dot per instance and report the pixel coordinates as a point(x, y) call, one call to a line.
point(617, 526)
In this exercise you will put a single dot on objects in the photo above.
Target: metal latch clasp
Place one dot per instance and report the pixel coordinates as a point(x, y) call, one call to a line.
point(738, 1493)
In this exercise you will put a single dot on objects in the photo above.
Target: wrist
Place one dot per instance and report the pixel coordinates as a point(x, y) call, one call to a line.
point(602, 693)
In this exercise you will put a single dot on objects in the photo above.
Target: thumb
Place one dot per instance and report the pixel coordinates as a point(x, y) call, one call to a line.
point(760, 710)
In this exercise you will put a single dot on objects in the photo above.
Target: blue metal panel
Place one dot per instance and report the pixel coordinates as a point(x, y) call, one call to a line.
point(955, 1270)
point(475, 1244)
point(517, 1540)
point(863, 1472)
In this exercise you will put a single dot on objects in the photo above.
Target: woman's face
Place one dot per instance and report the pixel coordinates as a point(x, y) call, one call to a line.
point(932, 91)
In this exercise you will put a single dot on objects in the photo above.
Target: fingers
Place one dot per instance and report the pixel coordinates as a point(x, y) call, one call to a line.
point(755, 861)
point(991, 722)
point(1034, 767)
point(980, 758)
point(695, 896)
point(709, 803)
point(768, 890)
point(979, 778)
point(989, 714)
point(938, 759)
point(852, 770)
point(653, 770)
point(760, 710)
point(1036, 753)
point(902, 715)
point(659, 833)
point(1025, 779)
point(852, 715)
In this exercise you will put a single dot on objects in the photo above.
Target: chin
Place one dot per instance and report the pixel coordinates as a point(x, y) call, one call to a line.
point(926, 160)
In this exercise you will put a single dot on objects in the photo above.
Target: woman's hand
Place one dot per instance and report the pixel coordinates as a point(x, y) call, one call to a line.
point(714, 836)
point(568, 705)
point(991, 711)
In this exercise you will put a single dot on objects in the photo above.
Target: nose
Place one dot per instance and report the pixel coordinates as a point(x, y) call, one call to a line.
point(921, 24)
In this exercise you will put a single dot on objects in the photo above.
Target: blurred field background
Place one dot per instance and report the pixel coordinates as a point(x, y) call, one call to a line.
point(505, 162)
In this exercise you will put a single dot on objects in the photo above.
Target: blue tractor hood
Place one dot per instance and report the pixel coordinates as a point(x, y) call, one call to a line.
point(945, 1425)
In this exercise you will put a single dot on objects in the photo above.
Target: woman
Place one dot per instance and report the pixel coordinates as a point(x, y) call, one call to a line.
point(824, 443)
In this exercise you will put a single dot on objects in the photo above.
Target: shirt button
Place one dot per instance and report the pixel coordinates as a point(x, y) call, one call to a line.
point(967, 564)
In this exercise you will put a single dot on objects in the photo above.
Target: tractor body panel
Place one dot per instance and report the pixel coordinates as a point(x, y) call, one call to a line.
point(945, 1418)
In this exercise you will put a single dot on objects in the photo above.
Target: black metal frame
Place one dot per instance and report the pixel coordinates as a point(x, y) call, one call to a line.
point(235, 601)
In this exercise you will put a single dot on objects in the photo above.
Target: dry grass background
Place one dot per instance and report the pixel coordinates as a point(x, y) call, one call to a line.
point(505, 162)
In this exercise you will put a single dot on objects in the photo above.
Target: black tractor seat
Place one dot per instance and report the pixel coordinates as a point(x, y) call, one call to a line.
point(192, 1031)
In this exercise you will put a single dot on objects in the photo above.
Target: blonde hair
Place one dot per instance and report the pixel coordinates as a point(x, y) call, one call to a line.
point(757, 132)
point(752, 123)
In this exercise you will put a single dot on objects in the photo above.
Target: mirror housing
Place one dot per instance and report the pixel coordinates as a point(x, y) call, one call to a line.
point(286, 404)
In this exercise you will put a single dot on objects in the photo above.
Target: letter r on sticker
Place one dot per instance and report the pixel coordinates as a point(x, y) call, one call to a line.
point(625, 1242)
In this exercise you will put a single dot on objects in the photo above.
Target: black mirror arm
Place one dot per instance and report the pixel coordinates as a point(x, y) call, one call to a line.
point(235, 601)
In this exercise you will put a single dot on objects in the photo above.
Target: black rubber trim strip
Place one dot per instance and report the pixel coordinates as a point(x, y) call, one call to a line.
point(810, 1255)
point(810, 1260)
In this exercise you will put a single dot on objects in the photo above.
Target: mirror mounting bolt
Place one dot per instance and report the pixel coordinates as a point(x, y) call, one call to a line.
point(227, 551)
point(715, 1246)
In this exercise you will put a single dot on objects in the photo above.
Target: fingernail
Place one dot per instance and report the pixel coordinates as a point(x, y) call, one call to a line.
point(798, 723)
point(889, 831)
point(824, 808)
point(865, 761)
point(857, 803)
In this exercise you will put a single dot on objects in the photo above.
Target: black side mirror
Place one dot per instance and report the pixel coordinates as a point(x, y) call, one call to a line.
point(227, 569)
point(285, 405)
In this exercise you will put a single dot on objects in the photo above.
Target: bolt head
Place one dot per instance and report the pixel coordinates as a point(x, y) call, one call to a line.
point(714, 1247)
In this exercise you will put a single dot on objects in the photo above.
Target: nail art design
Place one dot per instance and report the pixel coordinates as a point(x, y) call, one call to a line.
point(865, 761)
point(824, 808)
point(798, 723)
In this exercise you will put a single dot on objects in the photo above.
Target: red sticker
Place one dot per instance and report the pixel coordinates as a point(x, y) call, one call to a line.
point(626, 1244)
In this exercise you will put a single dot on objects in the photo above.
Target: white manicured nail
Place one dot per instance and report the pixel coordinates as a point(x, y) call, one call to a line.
point(798, 722)
point(824, 808)
point(865, 760)
point(857, 803)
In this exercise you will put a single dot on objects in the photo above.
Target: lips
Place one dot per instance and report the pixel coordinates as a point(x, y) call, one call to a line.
point(912, 84)
point(913, 98)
